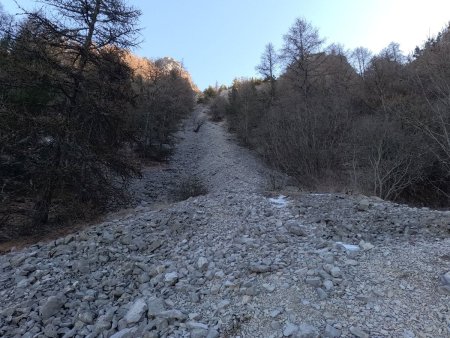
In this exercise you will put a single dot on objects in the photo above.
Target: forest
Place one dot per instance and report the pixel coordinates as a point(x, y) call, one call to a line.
point(79, 112)
point(349, 120)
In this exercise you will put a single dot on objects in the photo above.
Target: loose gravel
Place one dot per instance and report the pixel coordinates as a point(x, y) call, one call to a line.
point(234, 262)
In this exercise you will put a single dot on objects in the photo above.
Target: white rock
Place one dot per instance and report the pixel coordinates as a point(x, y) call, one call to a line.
point(366, 245)
point(136, 311)
point(202, 264)
point(171, 278)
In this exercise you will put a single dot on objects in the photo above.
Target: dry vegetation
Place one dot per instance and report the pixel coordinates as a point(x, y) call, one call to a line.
point(75, 106)
point(377, 124)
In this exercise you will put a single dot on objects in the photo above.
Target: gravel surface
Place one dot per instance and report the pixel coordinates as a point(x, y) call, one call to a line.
point(235, 262)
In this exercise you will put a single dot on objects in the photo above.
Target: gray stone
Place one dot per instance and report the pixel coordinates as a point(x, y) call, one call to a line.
point(136, 311)
point(259, 268)
point(328, 285)
point(366, 245)
point(295, 228)
point(335, 272)
point(171, 278)
point(51, 331)
point(313, 281)
point(202, 264)
point(446, 278)
point(289, 329)
point(358, 332)
point(363, 205)
point(102, 324)
point(196, 325)
point(125, 333)
point(212, 333)
point(155, 306)
point(307, 331)
point(86, 317)
point(51, 306)
point(198, 333)
point(331, 332)
point(268, 287)
point(321, 293)
point(172, 314)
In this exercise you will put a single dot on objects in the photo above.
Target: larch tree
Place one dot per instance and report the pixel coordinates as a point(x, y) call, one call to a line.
point(82, 43)
point(268, 67)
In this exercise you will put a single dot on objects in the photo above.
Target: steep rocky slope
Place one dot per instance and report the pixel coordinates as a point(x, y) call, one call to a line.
point(235, 262)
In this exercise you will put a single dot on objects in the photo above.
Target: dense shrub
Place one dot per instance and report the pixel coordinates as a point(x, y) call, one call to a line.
point(380, 127)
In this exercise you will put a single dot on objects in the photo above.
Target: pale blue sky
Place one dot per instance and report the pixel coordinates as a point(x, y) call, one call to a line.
point(219, 40)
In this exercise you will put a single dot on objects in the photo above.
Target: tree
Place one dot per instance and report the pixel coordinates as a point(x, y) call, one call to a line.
point(360, 59)
point(77, 128)
point(393, 53)
point(268, 66)
point(302, 55)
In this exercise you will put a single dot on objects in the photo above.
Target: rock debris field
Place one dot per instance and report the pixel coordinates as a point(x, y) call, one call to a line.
point(235, 262)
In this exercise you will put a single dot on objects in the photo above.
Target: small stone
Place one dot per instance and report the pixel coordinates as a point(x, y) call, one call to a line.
point(172, 314)
point(307, 331)
point(295, 228)
point(223, 304)
point(366, 245)
point(171, 278)
point(198, 333)
point(289, 329)
point(51, 331)
point(313, 281)
point(331, 332)
point(103, 324)
point(136, 311)
point(24, 283)
point(321, 294)
point(328, 285)
point(259, 268)
point(358, 332)
point(196, 325)
point(335, 271)
point(86, 317)
point(408, 334)
point(212, 333)
point(51, 306)
point(202, 264)
point(363, 205)
point(125, 333)
point(446, 278)
point(155, 306)
point(275, 313)
point(268, 287)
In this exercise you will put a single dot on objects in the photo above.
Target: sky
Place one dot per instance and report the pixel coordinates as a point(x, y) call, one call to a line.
point(219, 40)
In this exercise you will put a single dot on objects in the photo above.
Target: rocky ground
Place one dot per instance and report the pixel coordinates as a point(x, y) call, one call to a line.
point(235, 262)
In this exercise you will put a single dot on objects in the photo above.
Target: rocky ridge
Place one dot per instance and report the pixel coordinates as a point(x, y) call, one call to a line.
point(235, 262)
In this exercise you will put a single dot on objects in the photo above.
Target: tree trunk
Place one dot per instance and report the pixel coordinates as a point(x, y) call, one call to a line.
point(42, 206)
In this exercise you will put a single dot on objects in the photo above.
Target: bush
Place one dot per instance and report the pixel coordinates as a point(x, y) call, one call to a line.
point(190, 187)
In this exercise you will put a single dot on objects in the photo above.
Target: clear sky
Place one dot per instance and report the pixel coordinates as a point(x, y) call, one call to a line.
point(218, 40)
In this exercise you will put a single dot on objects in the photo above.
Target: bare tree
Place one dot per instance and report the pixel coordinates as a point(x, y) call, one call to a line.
point(268, 67)
point(360, 59)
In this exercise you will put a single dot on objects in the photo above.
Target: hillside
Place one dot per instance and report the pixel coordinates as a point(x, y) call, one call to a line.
point(238, 261)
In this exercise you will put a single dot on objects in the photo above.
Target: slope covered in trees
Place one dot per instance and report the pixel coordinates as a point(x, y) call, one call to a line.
point(377, 124)
point(75, 106)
